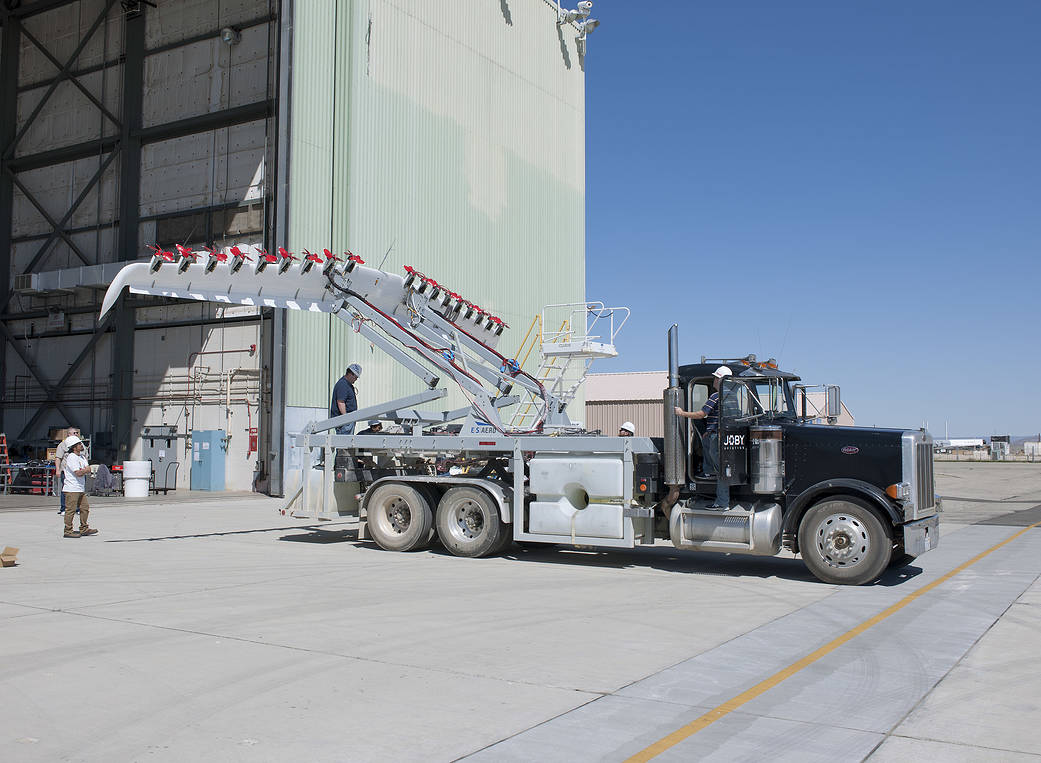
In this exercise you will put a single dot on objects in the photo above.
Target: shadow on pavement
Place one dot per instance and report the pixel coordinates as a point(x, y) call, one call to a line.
point(667, 560)
point(212, 535)
point(319, 535)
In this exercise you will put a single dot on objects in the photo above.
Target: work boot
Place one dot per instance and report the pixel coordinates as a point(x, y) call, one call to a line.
point(71, 534)
point(88, 531)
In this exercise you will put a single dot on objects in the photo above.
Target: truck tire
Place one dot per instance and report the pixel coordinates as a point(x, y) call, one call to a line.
point(469, 524)
point(842, 541)
point(399, 517)
point(899, 557)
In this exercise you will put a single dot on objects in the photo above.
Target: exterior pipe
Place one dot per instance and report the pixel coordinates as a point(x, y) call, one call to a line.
point(674, 450)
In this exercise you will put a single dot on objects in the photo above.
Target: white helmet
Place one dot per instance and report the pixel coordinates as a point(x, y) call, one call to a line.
point(628, 427)
point(722, 371)
point(355, 369)
point(70, 442)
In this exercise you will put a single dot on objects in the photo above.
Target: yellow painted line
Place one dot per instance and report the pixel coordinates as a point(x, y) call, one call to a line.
point(762, 687)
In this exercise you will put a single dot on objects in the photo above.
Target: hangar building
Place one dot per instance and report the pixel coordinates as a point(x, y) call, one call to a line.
point(443, 134)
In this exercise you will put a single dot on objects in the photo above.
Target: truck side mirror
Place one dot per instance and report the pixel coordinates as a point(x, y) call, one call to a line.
point(834, 403)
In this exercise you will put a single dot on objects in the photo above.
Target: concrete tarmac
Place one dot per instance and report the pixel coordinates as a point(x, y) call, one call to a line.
point(206, 626)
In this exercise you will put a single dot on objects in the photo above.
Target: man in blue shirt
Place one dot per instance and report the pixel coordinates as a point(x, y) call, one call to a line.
point(345, 399)
point(710, 412)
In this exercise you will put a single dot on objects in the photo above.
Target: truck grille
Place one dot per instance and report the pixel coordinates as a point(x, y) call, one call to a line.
point(925, 497)
point(918, 473)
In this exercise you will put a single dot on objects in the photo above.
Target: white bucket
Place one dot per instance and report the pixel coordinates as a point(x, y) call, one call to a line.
point(136, 475)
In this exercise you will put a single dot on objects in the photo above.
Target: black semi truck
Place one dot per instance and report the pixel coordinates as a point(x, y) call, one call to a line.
point(851, 501)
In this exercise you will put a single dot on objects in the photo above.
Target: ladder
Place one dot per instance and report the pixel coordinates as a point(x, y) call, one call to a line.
point(5, 464)
point(567, 353)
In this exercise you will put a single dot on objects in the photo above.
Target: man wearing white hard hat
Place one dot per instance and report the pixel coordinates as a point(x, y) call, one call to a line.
point(75, 488)
point(59, 475)
point(627, 429)
point(710, 412)
point(345, 399)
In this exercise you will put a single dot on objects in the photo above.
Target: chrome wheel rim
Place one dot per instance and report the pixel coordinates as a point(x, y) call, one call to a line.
point(398, 514)
point(842, 540)
point(468, 522)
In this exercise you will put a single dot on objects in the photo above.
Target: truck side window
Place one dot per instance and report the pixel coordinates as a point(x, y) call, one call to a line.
point(735, 402)
point(698, 396)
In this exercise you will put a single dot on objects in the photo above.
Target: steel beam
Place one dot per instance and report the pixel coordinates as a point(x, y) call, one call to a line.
point(9, 56)
point(59, 231)
point(25, 10)
point(202, 37)
point(50, 219)
point(52, 395)
point(62, 155)
point(67, 74)
point(127, 236)
point(63, 73)
point(213, 120)
point(51, 392)
point(273, 429)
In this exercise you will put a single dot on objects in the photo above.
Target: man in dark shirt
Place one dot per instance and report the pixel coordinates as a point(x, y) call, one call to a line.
point(375, 427)
point(345, 399)
point(710, 412)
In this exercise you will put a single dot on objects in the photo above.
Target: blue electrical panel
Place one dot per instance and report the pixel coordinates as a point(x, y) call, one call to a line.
point(208, 455)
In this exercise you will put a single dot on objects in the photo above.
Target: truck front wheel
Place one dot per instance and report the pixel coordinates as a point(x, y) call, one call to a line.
point(469, 524)
point(399, 517)
point(842, 541)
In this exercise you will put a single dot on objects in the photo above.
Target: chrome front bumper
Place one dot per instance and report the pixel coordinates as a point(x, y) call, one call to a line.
point(922, 535)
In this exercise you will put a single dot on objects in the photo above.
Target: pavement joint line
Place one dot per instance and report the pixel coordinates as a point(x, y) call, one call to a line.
point(955, 743)
point(524, 731)
point(950, 670)
point(720, 711)
point(596, 694)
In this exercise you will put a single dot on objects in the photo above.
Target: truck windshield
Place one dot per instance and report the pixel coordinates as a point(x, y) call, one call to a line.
point(762, 397)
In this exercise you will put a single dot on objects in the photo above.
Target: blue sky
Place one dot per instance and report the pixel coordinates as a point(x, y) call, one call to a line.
point(853, 188)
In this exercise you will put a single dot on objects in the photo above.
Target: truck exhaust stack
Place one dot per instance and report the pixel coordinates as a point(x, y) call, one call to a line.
point(674, 451)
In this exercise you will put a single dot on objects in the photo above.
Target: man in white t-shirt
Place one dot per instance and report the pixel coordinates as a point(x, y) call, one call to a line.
point(59, 476)
point(75, 489)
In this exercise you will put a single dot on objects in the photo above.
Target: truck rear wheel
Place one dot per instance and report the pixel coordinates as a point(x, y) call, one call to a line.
point(842, 541)
point(469, 524)
point(399, 517)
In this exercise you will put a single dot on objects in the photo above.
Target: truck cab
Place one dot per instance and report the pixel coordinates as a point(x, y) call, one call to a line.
point(851, 500)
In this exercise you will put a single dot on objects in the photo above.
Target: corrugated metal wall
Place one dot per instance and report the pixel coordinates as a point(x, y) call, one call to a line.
point(608, 415)
point(451, 134)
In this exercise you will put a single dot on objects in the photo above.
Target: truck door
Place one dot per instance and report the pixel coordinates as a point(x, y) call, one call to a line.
point(734, 408)
point(697, 396)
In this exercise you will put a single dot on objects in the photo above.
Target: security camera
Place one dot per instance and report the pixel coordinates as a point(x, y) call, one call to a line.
point(588, 25)
point(585, 7)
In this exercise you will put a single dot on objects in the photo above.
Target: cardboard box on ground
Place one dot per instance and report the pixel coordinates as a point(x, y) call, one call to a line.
point(7, 556)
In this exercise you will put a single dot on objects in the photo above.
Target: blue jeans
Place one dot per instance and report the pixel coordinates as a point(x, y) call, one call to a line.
point(345, 429)
point(711, 462)
point(60, 485)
